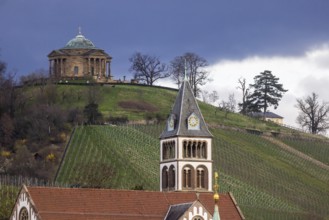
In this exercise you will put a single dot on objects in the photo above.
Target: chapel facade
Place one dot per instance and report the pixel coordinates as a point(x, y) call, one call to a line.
point(80, 58)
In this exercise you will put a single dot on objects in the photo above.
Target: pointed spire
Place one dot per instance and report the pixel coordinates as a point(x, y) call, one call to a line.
point(185, 108)
point(216, 198)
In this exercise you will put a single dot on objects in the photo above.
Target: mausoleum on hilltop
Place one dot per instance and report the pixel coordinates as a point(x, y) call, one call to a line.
point(80, 58)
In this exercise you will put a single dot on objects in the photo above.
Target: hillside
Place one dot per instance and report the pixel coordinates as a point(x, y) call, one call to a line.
point(138, 102)
point(268, 181)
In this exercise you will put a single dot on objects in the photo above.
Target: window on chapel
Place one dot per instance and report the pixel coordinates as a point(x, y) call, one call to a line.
point(23, 214)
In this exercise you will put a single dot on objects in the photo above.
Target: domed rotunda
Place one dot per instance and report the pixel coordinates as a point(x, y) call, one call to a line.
point(80, 59)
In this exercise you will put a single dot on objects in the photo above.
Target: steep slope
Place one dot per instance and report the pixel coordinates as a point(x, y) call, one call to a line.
point(268, 181)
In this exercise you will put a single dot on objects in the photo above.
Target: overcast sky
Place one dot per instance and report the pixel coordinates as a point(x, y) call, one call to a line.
point(238, 38)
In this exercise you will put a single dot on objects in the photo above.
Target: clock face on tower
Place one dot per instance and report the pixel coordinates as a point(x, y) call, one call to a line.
point(193, 122)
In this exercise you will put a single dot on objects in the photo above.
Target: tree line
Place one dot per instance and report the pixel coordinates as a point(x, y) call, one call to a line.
point(148, 69)
point(35, 124)
point(266, 91)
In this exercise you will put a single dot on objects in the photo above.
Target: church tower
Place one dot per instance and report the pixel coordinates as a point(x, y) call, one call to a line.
point(185, 147)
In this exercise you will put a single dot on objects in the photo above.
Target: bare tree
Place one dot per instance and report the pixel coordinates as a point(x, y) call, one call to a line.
point(205, 96)
point(313, 115)
point(8, 94)
point(148, 68)
point(39, 76)
point(228, 106)
point(208, 97)
point(7, 128)
point(245, 92)
point(195, 65)
point(213, 96)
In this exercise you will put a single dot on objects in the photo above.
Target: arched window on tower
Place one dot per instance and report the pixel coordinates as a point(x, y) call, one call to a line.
point(172, 149)
point(168, 150)
point(188, 174)
point(198, 150)
point(195, 149)
point(203, 150)
point(185, 149)
point(165, 178)
point(172, 177)
point(202, 177)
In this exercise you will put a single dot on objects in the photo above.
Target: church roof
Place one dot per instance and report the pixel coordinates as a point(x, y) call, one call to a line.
point(82, 203)
point(176, 211)
point(79, 42)
point(185, 105)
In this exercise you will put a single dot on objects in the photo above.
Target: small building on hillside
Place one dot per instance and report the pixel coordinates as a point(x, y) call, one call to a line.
point(268, 116)
point(80, 58)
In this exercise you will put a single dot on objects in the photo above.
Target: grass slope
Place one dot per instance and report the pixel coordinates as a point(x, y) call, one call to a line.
point(268, 183)
point(122, 100)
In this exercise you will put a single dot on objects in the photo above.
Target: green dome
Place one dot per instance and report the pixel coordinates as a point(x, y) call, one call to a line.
point(79, 42)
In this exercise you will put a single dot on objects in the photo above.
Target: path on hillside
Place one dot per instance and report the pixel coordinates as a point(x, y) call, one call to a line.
point(297, 153)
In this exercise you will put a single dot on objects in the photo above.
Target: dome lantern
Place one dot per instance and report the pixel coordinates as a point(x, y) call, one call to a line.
point(79, 42)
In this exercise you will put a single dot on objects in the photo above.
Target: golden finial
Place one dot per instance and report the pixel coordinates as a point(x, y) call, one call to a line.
point(216, 188)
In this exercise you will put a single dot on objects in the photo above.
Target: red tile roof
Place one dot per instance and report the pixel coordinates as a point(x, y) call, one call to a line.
point(73, 203)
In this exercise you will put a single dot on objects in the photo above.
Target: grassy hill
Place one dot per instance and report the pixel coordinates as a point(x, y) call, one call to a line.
point(268, 181)
point(138, 102)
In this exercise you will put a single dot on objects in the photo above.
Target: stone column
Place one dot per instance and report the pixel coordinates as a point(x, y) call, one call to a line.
point(100, 67)
point(50, 75)
point(94, 66)
point(56, 67)
point(89, 67)
point(105, 68)
point(109, 70)
point(64, 66)
point(61, 66)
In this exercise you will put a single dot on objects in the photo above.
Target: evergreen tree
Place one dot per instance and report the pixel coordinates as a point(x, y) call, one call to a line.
point(267, 91)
